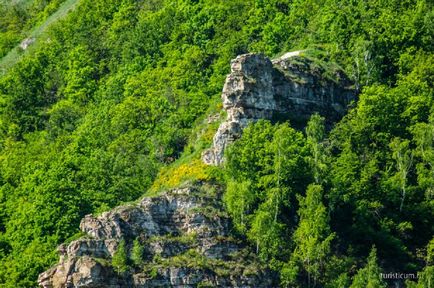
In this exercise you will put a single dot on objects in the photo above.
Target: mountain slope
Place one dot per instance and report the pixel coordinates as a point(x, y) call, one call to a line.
point(214, 255)
point(186, 241)
point(116, 105)
point(35, 35)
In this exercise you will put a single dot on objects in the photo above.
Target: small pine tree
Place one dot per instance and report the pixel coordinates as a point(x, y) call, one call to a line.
point(137, 253)
point(119, 259)
point(426, 276)
point(370, 275)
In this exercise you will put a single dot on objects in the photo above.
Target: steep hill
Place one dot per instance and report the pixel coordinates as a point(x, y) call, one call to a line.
point(186, 240)
point(121, 99)
point(212, 255)
point(24, 23)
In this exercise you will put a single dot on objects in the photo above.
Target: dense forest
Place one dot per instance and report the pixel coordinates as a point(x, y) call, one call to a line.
point(109, 105)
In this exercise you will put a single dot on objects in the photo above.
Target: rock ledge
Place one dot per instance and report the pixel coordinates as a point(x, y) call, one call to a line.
point(288, 88)
point(187, 242)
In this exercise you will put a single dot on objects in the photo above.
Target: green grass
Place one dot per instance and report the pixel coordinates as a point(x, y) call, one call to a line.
point(38, 33)
point(63, 10)
point(15, 2)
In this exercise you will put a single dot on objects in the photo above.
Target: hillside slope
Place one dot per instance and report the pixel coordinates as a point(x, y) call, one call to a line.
point(155, 229)
point(35, 36)
point(186, 240)
point(124, 99)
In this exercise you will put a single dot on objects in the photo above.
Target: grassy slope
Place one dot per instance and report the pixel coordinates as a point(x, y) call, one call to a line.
point(37, 33)
point(6, 2)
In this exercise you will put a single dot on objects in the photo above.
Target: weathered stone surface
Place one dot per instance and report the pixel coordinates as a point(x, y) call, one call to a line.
point(288, 88)
point(26, 43)
point(188, 277)
point(80, 272)
point(185, 232)
point(92, 247)
point(171, 227)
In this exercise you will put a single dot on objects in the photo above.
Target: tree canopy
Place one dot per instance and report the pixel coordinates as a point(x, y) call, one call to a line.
point(112, 95)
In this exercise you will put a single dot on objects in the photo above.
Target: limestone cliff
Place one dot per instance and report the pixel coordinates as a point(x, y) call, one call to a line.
point(288, 88)
point(185, 232)
point(187, 240)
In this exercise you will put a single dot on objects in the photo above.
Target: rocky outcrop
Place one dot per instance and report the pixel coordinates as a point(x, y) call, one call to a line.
point(288, 88)
point(185, 232)
point(186, 238)
point(26, 43)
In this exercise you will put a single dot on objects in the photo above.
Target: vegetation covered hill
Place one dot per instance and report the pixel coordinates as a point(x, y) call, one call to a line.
point(37, 18)
point(19, 17)
point(110, 107)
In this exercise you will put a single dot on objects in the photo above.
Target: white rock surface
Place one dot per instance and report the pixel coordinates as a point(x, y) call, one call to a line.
point(287, 88)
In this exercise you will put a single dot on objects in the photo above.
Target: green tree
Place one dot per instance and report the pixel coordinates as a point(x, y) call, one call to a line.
point(120, 259)
point(80, 76)
point(312, 236)
point(426, 276)
point(285, 169)
point(403, 156)
point(267, 168)
point(370, 275)
point(315, 133)
point(267, 233)
point(137, 253)
point(239, 200)
point(424, 137)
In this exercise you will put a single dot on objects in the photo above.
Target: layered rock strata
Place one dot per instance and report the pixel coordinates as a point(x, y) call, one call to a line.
point(288, 88)
point(185, 232)
point(186, 238)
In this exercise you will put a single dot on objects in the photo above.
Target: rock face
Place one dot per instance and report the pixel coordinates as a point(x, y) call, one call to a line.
point(289, 88)
point(186, 238)
point(26, 43)
point(185, 233)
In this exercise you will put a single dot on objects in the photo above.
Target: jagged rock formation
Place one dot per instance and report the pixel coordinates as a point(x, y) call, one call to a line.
point(186, 236)
point(288, 88)
point(185, 232)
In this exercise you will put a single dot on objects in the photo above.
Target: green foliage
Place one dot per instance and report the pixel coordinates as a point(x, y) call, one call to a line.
point(369, 175)
point(312, 236)
point(426, 276)
point(288, 274)
point(120, 259)
point(18, 17)
point(239, 199)
point(424, 135)
point(315, 134)
point(108, 98)
point(137, 253)
point(370, 275)
point(266, 168)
